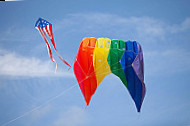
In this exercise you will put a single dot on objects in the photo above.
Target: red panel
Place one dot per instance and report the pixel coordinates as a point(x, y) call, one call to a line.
point(83, 68)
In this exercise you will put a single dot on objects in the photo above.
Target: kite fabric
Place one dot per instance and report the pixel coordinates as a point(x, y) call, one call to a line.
point(97, 58)
point(45, 28)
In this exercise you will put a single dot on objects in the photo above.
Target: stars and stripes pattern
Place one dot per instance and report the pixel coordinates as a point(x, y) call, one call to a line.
point(45, 29)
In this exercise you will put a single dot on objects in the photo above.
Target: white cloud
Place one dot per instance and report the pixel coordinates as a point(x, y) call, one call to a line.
point(166, 62)
point(74, 116)
point(13, 64)
point(143, 29)
point(184, 26)
point(18, 34)
point(153, 34)
point(158, 38)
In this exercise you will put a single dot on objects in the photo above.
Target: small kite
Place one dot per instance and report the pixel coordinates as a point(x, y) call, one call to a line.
point(97, 58)
point(45, 28)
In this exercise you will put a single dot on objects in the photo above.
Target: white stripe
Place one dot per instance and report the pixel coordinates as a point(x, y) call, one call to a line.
point(39, 31)
point(44, 36)
point(49, 32)
point(48, 51)
point(45, 30)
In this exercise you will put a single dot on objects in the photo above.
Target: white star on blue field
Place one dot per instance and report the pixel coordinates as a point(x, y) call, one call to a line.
point(32, 94)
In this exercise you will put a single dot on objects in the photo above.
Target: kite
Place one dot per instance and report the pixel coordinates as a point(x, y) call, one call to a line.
point(97, 58)
point(45, 28)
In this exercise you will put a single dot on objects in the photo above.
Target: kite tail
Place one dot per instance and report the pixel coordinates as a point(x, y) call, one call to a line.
point(63, 60)
point(53, 43)
point(48, 46)
point(51, 56)
point(49, 31)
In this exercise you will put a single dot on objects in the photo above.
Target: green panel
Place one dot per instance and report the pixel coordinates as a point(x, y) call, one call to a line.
point(116, 52)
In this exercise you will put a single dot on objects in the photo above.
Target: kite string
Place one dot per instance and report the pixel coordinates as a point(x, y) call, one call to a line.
point(93, 73)
point(81, 67)
point(37, 107)
point(108, 72)
point(98, 67)
point(90, 67)
point(53, 98)
point(102, 64)
point(102, 73)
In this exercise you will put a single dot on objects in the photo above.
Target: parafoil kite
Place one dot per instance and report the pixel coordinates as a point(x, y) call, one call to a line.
point(45, 28)
point(97, 58)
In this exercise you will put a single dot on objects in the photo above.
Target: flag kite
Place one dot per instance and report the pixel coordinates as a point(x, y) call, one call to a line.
point(45, 28)
point(97, 58)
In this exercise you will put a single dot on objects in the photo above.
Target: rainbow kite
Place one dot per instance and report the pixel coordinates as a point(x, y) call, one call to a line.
point(97, 58)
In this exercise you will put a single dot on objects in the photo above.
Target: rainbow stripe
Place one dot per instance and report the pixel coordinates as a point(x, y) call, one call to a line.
point(97, 58)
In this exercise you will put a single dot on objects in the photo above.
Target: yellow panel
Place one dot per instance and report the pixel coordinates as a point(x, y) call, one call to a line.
point(101, 66)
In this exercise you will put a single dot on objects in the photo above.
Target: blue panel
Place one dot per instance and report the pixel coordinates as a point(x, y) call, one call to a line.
point(134, 85)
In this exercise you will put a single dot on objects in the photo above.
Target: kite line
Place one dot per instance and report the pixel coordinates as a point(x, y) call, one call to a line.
point(39, 106)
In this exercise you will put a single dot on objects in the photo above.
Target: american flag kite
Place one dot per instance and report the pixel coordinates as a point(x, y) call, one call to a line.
point(45, 28)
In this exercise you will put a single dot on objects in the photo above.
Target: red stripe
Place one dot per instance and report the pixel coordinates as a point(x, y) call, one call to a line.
point(47, 31)
point(45, 38)
point(50, 34)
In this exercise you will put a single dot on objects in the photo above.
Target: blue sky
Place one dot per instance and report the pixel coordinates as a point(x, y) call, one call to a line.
point(32, 94)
